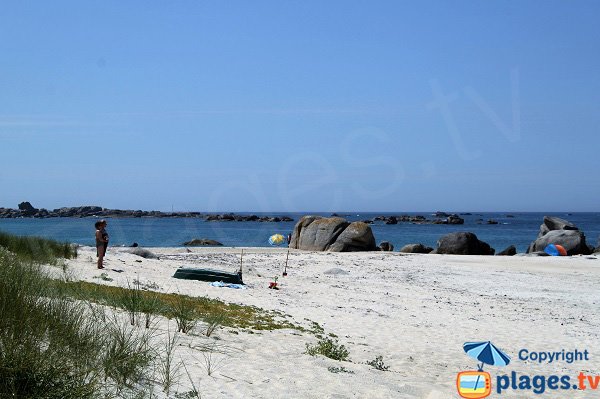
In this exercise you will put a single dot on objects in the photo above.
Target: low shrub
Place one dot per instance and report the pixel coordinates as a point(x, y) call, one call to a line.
point(328, 348)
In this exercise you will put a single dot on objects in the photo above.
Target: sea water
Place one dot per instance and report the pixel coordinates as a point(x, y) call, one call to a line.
point(519, 230)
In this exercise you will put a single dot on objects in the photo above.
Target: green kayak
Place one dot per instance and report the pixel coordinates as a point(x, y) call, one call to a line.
point(186, 273)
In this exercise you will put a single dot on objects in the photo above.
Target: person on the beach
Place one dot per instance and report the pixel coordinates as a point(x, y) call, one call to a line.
point(101, 241)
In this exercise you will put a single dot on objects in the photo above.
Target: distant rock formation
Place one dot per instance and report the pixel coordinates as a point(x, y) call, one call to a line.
point(463, 243)
point(26, 210)
point(420, 219)
point(335, 234)
point(559, 231)
point(232, 217)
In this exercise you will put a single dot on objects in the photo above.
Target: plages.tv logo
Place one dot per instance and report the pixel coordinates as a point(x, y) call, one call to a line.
point(477, 384)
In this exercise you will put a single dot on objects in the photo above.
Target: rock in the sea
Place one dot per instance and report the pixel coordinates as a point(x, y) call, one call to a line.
point(198, 242)
point(386, 246)
point(510, 251)
point(463, 243)
point(455, 219)
point(144, 253)
point(492, 221)
point(572, 240)
point(316, 233)
point(26, 206)
point(416, 249)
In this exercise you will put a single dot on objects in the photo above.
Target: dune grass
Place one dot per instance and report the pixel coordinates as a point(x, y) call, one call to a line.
point(57, 339)
point(54, 347)
point(37, 249)
point(182, 308)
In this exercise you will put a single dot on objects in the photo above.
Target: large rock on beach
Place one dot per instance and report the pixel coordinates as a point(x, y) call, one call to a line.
point(552, 223)
point(572, 240)
point(555, 230)
point(316, 233)
point(416, 249)
point(199, 242)
point(463, 243)
point(509, 251)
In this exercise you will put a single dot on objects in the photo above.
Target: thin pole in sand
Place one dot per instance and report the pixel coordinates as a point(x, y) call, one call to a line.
point(286, 262)
point(241, 260)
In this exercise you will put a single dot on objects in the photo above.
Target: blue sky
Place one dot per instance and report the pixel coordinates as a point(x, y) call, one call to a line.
point(301, 105)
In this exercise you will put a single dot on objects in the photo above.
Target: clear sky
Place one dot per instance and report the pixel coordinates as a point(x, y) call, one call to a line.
point(301, 105)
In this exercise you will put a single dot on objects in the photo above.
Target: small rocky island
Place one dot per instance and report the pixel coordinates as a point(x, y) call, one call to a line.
point(26, 210)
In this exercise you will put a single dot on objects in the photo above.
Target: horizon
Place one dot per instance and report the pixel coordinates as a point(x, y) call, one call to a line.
point(310, 105)
point(340, 212)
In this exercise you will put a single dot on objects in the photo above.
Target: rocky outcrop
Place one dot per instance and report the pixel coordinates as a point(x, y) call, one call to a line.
point(316, 233)
point(455, 219)
point(509, 251)
point(559, 231)
point(416, 249)
point(232, 217)
point(552, 223)
point(25, 210)
point(419, 219)
point(199, 242)
point(386, 246)
point(463, 243)
point(573, 241)
point(392, 220)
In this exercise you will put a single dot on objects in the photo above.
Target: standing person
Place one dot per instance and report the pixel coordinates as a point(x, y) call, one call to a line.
point(101, 241)
point(289, 238)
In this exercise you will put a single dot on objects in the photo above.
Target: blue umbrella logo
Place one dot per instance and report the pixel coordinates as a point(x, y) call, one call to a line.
point(486, 353)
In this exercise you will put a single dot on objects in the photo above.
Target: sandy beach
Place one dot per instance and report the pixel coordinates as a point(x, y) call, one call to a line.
point(415, 311)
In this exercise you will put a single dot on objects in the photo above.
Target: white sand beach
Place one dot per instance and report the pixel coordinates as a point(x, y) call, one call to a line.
point(416, 311)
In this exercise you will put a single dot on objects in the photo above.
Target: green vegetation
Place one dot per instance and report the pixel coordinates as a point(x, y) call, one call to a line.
point(328, 348)
point(37, 249)
point(378, 364)
point(58, 341)
point(54, 347)
point(180, 306)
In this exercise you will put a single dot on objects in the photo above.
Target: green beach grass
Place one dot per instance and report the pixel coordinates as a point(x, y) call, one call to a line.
point(178, 306)
point(54, 343)
point(37, 249)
